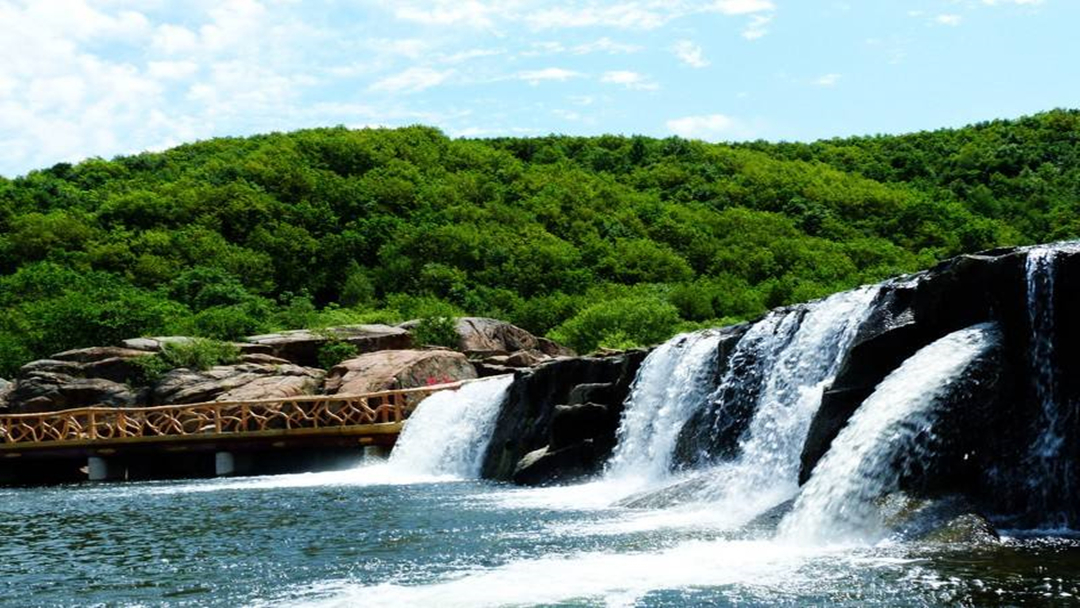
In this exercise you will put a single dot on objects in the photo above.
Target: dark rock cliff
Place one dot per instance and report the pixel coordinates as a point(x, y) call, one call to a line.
point(584, 435)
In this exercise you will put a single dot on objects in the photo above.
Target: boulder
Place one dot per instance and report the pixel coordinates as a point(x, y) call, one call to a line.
point(484, 337)
point(153, 345)
point(244, 381)
point(394, 369)
point(547, 466)
point(106, 362)
point(525, 358)
point(5, 388)
point(45, 391)
point(98, 353)
point(680, 492)
point(526, 420)
point(950, 519)
point(302, 346)
point(263, 359)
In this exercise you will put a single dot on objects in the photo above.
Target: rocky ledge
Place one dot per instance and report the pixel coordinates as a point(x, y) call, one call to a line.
point(276, 365)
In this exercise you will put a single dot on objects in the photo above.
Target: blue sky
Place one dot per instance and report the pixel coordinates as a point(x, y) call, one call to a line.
point(81, 78)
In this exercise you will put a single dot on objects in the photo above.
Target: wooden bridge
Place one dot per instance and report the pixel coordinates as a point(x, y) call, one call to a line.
point(222, 428)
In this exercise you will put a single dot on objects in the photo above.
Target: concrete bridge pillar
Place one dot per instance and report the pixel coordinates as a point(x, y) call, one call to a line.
point(103, 469)
point(224, 464)
point(376, 452)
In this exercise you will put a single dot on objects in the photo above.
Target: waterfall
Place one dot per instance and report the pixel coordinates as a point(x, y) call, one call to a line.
point(1048, 472)
point(837, 503)
point(802, 358)
point(449, 431)
point(673, 382)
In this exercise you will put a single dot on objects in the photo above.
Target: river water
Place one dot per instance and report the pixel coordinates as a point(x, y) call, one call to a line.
point(361, 538)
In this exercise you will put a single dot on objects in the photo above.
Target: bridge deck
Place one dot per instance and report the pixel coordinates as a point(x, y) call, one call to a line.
point(375, 415)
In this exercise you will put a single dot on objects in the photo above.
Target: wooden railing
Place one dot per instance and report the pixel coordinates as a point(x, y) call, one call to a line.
point(213, 418)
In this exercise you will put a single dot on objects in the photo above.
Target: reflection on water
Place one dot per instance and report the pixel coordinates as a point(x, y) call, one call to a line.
point(348, 538)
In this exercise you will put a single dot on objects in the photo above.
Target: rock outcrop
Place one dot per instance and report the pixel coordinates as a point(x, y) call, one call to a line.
point(566, 442)
point(302, 346)
point(991, 426)
point(394, 369)
point(39, 390)
point(244, 381)
point(501, 343)
point(5, 388)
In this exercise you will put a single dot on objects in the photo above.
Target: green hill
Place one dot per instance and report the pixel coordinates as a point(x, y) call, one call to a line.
point(599, 241)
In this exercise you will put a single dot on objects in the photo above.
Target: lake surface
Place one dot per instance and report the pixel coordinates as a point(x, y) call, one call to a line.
point(364, 537)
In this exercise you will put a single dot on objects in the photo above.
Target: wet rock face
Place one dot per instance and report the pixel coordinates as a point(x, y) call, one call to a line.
point(707, 435)
point(567, 442)
point(949, 519)
point(393, 369)
point(913, 312)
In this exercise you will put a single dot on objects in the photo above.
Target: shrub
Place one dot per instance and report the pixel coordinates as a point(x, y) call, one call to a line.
point(623, 322)
point(150, 369)
point(13, 355)
point(229, 322)
point(334, 352)
point(198, 353)
point(437, 331)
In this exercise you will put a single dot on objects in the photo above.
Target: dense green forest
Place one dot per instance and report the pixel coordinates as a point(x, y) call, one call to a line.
point(597, 241)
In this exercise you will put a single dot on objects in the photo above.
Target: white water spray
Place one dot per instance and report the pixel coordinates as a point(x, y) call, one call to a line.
point(671, 385)
point(449, 432)
point(766, 470)
point(837, 504)
point(1048, 473)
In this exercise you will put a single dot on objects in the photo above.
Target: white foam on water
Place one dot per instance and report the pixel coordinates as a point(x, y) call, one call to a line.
point(761, 569)
point(837, 503)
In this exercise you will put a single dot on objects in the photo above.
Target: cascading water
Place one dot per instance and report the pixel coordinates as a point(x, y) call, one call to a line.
point(765, 472)
point(674, 381)
point(1048, 473)
point(895, 422)
point(450, 430)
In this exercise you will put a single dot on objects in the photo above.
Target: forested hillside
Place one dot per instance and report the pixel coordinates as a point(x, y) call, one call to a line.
point(599, 241)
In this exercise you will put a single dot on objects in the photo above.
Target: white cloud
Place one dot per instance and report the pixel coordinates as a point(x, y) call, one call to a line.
point(172, 70)
point(630, 80)
point(952, 20)
point(444, 12)
point(1018, 2)
point(690, 54)
point(411, 80)
point(744, 7)
point(756, 28)
point(564, 14)
point(827, 80)
point(605, 45)
point(711, 127)
point(535, 77)
point(627, 15)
